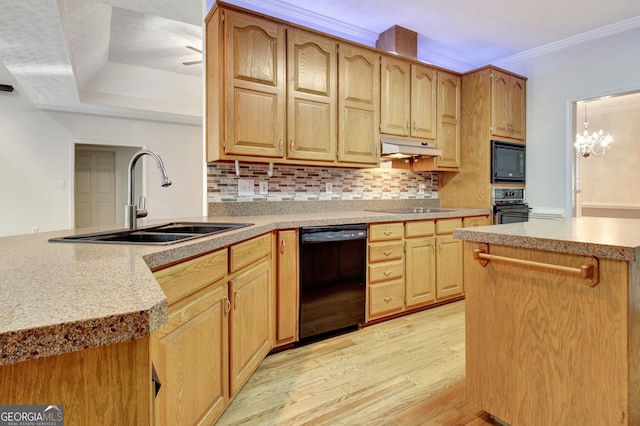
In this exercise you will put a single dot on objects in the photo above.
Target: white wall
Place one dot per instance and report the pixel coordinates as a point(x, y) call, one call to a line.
point(36, 154)
point(556, 80)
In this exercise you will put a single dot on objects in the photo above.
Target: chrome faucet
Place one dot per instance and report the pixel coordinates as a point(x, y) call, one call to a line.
point(131, 211)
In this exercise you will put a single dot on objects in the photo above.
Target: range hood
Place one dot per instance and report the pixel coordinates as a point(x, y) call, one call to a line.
point(402, 148)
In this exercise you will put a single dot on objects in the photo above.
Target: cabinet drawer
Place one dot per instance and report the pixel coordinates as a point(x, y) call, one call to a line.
point(386, 231)
point(386, 271)
point(183, 279)
point(446, 226)
point(468, 222)
point(246, 253)
point(388, 251)
point(386, 298)
point(419, 228)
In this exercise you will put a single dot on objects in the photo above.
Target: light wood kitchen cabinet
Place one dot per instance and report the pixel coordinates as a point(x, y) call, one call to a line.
point(190, 352)
point(420, 243)
point(470, 186)
point(287, 287)
point(385, 289)
point(448, 123)
point(508, 105)
point(273, 94)
point(358, 105)
point(412, 264)
point(448, 130)
point(251, 308)
point(255, 86)
point(449, 266)
point(407, 99)
point(471, 221)
point(395, 96)
point(312, 105)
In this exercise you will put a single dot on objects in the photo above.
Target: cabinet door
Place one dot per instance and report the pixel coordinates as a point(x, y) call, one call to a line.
point(420, 266)
point(190, 354)
point(449, 108)
point(358, 105)
point(424, 89)
point(249, 323)
point(395, 96)
point(517, 108)
point(312, 100)
point(287, 297)
point(448, 266)
point(255, 86)
point(499, 103)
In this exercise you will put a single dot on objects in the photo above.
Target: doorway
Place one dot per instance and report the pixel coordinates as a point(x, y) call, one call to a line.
point(607, 185)
point(100, 183)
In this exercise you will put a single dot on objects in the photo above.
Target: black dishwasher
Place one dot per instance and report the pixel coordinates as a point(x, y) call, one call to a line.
point(332, 278)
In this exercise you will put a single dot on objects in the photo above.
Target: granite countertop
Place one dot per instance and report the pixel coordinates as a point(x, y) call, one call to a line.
point(62, 297)
point(590, 236)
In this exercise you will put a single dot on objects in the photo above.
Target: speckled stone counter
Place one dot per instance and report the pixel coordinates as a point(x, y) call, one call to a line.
point(590, 236)
point(62, 297)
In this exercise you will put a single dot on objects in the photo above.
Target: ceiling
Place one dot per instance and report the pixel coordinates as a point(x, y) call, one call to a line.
point(125, 57)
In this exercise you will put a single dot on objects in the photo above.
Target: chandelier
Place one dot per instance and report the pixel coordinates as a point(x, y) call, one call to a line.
point(596, 143)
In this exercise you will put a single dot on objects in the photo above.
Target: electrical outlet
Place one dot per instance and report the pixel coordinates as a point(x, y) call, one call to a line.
point(245, 187)
point(35, 229)
point(329, 188)
point(264, 187)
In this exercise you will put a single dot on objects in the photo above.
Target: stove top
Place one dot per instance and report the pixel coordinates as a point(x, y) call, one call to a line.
point(413, 210)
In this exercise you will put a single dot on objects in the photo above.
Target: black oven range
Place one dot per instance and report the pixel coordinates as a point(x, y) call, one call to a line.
point(509, 206)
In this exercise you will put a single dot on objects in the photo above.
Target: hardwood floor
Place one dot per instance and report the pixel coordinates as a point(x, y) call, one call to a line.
point(407, 371)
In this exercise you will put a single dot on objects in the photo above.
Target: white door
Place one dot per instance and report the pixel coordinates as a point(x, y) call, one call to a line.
point(94, 188)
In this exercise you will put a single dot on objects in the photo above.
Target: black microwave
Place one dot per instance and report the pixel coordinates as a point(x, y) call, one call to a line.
point(507, 162)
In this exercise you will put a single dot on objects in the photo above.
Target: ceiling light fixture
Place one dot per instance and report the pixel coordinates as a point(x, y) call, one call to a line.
point(596, 143)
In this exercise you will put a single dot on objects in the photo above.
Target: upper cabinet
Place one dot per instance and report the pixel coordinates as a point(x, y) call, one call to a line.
point(273, 95)
point(408, 99)
point(255, 86)
point(358, 105)
point(313, 100)
point(449, 108)
point(508, 105)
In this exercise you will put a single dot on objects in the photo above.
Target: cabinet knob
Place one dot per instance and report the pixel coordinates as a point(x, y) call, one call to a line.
point(292, 146)
point(414, 126)
point(236, 300)
point(387, 299)
point(387, 233)
point(387, 273)
point(283, 244)
point(387, 253)
point(280, 144)
point(408, 125)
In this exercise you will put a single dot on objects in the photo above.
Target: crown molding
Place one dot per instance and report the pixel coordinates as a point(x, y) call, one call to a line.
point(608, 30)
point(309, 19)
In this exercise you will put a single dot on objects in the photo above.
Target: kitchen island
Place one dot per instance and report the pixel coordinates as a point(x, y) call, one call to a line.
point(553, 321)
point(76, 320)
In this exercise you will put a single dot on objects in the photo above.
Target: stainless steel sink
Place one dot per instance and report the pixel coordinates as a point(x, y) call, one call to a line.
point(169, 233)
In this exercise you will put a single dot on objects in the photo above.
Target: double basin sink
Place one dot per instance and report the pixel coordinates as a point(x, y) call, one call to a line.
point(169, 233)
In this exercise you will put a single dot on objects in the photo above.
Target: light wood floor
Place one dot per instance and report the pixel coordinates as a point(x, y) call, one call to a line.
point(407, 371)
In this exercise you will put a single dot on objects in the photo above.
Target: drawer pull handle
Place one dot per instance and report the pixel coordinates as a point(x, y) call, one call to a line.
point(387, 233)
point(588, 271)
point(387, 252)
point(387, 299)
point(387, 273)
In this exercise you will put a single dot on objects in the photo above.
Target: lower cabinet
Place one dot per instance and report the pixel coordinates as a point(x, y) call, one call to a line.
point(220, 328)
point(287, 287)
point(250, 333)
point(411, 265)
point(191, 354)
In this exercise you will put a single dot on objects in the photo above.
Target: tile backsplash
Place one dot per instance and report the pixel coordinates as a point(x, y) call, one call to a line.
point(295, 183)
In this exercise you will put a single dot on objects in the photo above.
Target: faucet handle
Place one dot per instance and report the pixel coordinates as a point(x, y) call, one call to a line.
point(141, 211)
